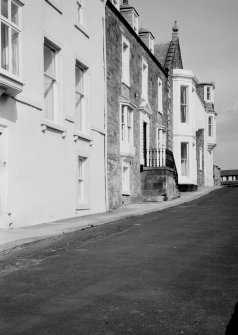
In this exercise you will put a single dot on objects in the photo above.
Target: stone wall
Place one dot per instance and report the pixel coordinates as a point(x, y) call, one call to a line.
point(116, 27)
point(200, 144)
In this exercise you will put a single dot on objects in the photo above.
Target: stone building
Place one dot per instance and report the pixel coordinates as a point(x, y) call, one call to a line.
point(140, 166)
point(52, 111)
point(229, 177)
point(217, 175)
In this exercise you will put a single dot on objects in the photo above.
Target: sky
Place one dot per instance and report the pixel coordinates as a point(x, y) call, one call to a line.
point(208, 35)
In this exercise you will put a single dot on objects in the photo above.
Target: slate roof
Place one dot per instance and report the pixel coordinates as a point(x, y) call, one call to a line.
point(229, 173)
point(161, 52)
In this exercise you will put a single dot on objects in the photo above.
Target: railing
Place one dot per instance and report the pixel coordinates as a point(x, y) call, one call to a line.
point(161, 158)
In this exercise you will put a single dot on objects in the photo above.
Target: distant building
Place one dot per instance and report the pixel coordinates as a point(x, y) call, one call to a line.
point(217, 175)
point(229, 177)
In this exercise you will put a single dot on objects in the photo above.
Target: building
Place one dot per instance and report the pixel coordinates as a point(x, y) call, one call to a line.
point(217, 175)
point(193, 119)
point(52, 111)
point(140, 166)
point(229, 177)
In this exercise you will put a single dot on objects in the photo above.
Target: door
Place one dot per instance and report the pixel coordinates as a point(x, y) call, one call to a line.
point(144, 142)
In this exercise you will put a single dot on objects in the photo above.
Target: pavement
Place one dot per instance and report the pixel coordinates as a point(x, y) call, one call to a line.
point(13, 237)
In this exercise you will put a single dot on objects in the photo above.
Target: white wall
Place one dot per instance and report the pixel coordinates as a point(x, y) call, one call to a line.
point(41, 182)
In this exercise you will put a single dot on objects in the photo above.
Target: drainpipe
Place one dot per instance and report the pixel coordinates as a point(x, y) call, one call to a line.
point(105, 108)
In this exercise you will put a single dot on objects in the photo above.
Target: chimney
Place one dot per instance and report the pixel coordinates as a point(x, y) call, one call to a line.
point(125, 2)
point(175, 34)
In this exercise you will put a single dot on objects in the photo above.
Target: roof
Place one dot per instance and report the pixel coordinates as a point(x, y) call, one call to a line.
point(229, 173)
point(161, 51)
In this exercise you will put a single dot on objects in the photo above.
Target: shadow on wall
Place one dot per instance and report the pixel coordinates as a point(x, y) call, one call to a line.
point(232, 327)
point(8, 109)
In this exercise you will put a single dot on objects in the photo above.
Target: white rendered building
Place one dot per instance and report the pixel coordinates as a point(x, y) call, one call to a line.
point(194, 129)
point(52, 110)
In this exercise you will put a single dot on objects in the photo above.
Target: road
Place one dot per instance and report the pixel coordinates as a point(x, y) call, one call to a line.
point(169, 272)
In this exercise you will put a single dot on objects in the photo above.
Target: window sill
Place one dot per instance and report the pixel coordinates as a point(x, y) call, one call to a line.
point(10, 84)
point(69, 118)
point(82, 29)
point(79, 135)
point(55, 5)
point(46, 124)
point(126, 193)
point(82, 206)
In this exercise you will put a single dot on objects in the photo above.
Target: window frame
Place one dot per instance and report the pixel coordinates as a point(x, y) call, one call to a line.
point(83, 94)
point(56, 117)
point(160, 95)
point(145, 79)
point(210, 126)
point(125, 59)
point(185, 160)
point(184, 106)
point(11, 26)
point(126, 125)
point(81, 180)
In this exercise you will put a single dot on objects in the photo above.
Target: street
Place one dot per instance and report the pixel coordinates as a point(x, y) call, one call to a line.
point(169, 272)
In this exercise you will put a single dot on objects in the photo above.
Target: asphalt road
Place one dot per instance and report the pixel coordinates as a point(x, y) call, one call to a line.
point(170, 272)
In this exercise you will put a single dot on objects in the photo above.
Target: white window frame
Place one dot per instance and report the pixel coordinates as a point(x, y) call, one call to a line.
point(200, 159)
point(184, 109)
point(81, 180)
point(210, 126)
point(126, 177)
point(185, 160)
point(81, 120)
point(7, 21)
point(126, 124)
point(54, 82)
point(160, 96)
point(125, 61)
point(208, 93)
point(144, 81)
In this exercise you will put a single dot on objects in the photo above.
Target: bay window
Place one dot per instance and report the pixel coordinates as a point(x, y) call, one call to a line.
point(10, 32)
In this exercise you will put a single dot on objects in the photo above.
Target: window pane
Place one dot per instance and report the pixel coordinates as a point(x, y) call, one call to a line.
point(5, 46)
point(183, 114)
point(49, 98)
point(183, 96)
point(184, 151)
point(79, 111)
point(4, 8)
point(79, 79)
point(49, 61)
point(15, 52)
point(14, 13)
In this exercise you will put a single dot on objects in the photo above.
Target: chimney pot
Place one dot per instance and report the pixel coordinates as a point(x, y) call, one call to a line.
point(175, 30)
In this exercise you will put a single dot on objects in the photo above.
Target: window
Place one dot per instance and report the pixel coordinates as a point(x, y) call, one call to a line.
point(144, 93)
point(81, 182)
point(10, 32)
point(50, 82)
point(79, 12)
point(160, 96)
point(184, 159)
point(183, 104)
point(80, 100)
point(125, 62)
point(210, 126)
point(208, 93)
point(125, 178)
point(126, 124)
point(200, 159)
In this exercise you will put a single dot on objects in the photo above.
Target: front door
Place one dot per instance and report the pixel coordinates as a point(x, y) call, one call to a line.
point(144, 142)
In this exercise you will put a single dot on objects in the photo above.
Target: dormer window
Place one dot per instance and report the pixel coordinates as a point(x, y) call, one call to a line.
point(208, 93)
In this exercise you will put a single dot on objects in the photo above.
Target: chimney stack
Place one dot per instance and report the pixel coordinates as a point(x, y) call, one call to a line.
point(175, 34)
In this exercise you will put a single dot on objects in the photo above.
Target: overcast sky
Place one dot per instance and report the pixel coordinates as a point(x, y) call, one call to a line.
point(208, 34)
